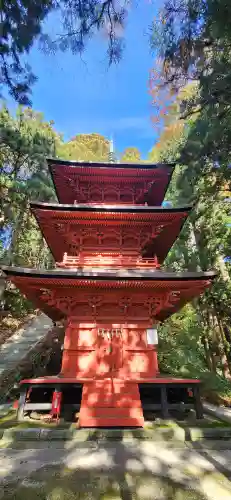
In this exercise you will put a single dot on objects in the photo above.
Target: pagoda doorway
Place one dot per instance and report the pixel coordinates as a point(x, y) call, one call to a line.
point(109, 350)
point(93, 350)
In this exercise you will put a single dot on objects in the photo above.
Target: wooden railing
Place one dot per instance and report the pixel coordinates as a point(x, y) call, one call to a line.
point(108, 261)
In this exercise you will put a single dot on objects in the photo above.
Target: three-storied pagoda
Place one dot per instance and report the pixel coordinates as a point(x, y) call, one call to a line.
point(109, 236)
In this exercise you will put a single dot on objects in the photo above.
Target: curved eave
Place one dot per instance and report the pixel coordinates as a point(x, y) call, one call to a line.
point(33, 284)
point(107, 208)
point(73, 169)
point(171, 221)
point(92, 164)
point(109, 275)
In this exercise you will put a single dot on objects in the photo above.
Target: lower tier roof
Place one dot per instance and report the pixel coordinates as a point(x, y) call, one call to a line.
point(80, 293)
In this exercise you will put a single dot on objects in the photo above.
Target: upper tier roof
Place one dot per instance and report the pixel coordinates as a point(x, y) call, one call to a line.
point(87, 182)
point(62, 293)
point(144, 230)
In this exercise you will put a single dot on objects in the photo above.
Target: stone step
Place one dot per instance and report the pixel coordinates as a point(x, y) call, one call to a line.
point(111, 403)
point(22, 342)
point(111, 412)
point(15, 349)
point(110, 422)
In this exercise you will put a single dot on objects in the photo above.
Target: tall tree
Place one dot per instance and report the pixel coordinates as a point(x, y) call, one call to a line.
point(194, 42)
point(26, 142)
point(85, 147)
point(205, 239)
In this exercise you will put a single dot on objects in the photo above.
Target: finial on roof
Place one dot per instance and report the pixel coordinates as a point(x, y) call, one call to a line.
point(112, 157)
point(111, 145)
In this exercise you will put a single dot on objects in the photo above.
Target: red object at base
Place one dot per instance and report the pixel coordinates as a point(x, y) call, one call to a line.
point(56, 404)
point(15, 405)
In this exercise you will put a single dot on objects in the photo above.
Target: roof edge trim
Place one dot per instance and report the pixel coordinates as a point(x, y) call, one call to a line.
point(143, 166)
point(75, 275)
point(107, 208)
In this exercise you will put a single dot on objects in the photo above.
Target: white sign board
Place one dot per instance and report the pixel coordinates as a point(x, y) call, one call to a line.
point(152, 336)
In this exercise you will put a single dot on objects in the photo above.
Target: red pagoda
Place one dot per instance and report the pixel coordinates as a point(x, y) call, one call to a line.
point(109, 236)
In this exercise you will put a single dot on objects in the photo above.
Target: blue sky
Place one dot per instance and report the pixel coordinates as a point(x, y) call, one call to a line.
point(84, 96)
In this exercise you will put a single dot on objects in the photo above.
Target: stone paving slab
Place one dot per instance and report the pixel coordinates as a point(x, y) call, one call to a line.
point(176, 434)
point(219, 412)
point(143, 471)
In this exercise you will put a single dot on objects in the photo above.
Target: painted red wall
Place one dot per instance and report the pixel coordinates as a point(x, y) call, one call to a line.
point(100, 350)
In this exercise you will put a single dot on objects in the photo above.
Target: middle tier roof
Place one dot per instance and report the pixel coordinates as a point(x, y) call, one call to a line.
point(71, 229)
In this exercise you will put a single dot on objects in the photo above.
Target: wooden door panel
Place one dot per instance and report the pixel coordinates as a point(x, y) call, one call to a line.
point(79, 364)
point(109, 349)
point(135, 338)
point(140, 363)
point(104, 352)
point(80, 337)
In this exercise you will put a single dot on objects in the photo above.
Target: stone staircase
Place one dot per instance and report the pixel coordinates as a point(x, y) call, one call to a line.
point(111, 402)
point(18, 347)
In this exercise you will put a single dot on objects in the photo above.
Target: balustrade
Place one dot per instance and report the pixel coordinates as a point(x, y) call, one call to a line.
point(108, 261)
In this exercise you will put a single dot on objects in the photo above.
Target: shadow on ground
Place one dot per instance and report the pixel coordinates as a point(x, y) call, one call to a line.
point(60, 483)
point(100, 469)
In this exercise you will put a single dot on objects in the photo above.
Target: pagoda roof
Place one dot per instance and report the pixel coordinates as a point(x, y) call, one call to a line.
point(150, 230)
point(40, 287)
point(105, 164)
point(74, 181)
point(107, 208)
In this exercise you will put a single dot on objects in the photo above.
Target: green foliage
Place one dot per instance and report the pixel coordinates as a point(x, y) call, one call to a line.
point(85, 147)
point(181, 353)
point(196, 44)
point(215, 387)
point(197, 137)
point(16, 303)
point(22, 23)
point(130, 155)
point(180, 349)
point(27, 140)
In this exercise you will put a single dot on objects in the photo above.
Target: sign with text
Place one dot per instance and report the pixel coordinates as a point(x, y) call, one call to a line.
point(152, 336)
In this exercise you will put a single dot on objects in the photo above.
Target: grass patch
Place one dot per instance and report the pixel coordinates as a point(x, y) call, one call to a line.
point(201, 424)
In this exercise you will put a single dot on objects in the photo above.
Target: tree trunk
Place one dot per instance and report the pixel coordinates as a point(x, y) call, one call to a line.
point(15, 233)
point(227, 333)
point(212, 339)
point(208, 356)
point(194, 244)
point(41, 257)
point(221, 348)
point(222, 268)
point(224, 342)
point(206, 341)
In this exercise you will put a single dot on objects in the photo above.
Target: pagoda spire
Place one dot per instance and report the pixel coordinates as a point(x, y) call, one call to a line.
point(112, 156)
